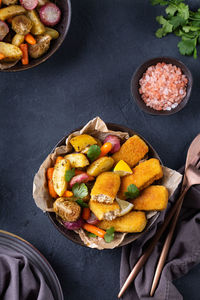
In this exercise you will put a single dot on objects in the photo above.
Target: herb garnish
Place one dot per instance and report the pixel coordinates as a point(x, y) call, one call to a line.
point(182, 22)
point(93, 152)
point(80, 190)
point(109, 236)
point(132, 191)
point(69, 174)
point(81, 203)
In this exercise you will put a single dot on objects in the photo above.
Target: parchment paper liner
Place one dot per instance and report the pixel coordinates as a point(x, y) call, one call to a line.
point(98, 129)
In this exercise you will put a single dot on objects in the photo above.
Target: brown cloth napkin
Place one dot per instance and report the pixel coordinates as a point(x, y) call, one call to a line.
point(183, 254)
point(19, 279)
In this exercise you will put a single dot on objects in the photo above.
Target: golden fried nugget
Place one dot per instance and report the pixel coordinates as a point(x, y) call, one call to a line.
point(104, 211)
point(155, 197)
point(135, 221)
point(132, 151)
point(143, 175)
point(106, 187)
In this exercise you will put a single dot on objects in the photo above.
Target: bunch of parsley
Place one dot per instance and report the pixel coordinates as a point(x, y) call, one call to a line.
point(182, 22)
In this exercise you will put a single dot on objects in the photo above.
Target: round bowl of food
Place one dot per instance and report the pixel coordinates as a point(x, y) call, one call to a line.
point(31, 31)
point(162, 86)
point(102, 186)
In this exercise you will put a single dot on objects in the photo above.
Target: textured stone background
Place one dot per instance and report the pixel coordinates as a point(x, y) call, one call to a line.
point(89, 76)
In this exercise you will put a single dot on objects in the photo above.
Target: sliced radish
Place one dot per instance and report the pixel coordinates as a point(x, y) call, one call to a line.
point(84, 177)
point(115, 141)
point(93, 219)
point(4, 29)
point(74, 225)
point(50, 14)
point(29, 4)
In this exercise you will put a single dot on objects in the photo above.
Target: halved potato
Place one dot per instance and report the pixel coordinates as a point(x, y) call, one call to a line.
point(37, 28)
point(18, 39)
point(42, 46)
point(100, 165)
point(11, 11)
point(59, 182)
point(82, 141)
point(11, 52)
point(54, 34)
point(77, 160)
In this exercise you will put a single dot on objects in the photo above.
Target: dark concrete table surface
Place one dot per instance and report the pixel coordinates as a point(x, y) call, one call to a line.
point(89, 76)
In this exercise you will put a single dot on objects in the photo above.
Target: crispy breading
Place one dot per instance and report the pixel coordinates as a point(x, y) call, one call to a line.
point(154, 197)
point(143, 175)
point(106, 187)
point(135, 221)
point(104, 210)
point(132, 151)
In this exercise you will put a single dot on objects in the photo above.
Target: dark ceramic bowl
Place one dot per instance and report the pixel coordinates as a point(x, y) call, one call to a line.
point(138, 75)
point(62, 27)
point(74, 237)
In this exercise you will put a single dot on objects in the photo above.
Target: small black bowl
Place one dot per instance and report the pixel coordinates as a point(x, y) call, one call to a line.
point(130, 237)
point(138, 75)
point(62, 27)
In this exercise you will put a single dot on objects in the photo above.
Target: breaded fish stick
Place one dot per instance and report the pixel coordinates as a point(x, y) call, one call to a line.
point(105, 211)
point(135, 221)
point(132, 151)
point(106, 187)
point(154, 197)
point(143, 175)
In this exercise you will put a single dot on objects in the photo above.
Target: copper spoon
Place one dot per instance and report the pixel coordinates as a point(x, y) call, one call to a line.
point(189, 179)
point(160, 231)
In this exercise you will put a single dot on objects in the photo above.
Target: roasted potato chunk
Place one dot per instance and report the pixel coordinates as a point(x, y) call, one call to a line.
point(106, 187)
point(37, 26)
point(9, 2)
point(77, 160)
point(132, 151)
point(143, 175)
point(21, 24)
point(11, 11)
point(18, 39)
point(41, 47)
point(155, 197)
point(54, 34)
point(82, 141)
point(135, 221)
point(59, 182)
point(67, 210)
point(100, 165)
point(11, 52)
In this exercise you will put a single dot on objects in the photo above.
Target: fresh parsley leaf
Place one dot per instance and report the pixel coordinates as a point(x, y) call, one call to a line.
point(177, 21)
point(171, 9)
point(132, 191)
point(81, 203)
point(183, 11)
point(93, 152)
point(161, 2)
point(91, 234)
point(166, 26)
point(69, 174)
point(187, 47)
point(80, 190)
point(109, 236)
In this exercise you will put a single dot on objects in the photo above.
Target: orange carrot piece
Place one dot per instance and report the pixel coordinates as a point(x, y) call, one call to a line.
point(105, 149)
point(86, 213)
point(93, 229)
point(30, 39)
point(2, 56)
point(91, 178)
point(68, 194)
point(78, 172)
point(50, 173)
point(58, 159)
point(0, 2)
point(9, 20)
point(25, 58)
point(51, 189)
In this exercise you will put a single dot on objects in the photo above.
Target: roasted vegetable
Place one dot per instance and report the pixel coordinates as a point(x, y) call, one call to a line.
point(77, 160)
point(4, 29)
point(42, 2)
point(79, 179)
point(67, 210)
point(100, 165)
point(74, 225)
point(18, 39)
point(9, 2)
point(29, 4)
point(50, 14)
point(54, 34)
point(11, 52)
point(115, 141)
point(41, 47)
point(59, 182)
point(11, 11)
point(37, 28)
point(21, 24)
point(82, 141)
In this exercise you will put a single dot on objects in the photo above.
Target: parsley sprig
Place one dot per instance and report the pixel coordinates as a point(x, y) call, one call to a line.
point(181, 21)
